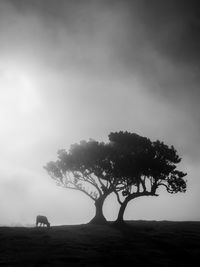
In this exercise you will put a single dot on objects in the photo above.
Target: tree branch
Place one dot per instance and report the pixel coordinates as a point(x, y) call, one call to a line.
point(74, 187)
point(140, 194)
point(118, 198)
point(143, 184)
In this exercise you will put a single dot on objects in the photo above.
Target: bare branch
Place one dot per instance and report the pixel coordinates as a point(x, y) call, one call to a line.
point(118, 198)
point(143, 183)
point(73, 187)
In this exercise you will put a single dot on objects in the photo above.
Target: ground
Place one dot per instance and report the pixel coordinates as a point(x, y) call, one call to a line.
point(140, 243)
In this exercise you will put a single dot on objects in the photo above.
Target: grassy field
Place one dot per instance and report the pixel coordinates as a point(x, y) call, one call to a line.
point(140, 243)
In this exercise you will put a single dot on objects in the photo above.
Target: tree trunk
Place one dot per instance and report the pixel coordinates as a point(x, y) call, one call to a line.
point(99, 217)
point(120, 217)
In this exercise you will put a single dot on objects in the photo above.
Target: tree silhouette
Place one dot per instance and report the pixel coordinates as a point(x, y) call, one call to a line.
point(142, 166)
point(87, 168)
point(129, 165)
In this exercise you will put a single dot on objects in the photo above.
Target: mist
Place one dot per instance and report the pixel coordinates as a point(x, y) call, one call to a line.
point(74, 70)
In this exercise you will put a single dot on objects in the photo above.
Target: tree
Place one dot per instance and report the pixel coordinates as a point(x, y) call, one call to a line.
point(87, 168)
point(142, 166)
point(129, 165)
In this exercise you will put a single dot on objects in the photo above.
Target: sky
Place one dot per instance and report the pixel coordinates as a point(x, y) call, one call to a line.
point(74, 70)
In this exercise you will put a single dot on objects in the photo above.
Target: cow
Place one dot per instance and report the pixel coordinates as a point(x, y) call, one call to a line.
point(42, 220)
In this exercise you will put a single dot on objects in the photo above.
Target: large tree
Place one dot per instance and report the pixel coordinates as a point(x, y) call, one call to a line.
point(87, 168)
point(142, 166)
point(129, 165)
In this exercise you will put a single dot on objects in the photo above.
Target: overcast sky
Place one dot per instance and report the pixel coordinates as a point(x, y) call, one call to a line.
point(74, 70)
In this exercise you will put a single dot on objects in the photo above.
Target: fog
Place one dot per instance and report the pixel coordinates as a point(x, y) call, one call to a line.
point(74, 70)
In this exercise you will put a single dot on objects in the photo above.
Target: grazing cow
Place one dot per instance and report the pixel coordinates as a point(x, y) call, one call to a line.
point(42, 220)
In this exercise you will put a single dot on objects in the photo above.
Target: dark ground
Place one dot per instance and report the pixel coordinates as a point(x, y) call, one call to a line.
point(141, 243)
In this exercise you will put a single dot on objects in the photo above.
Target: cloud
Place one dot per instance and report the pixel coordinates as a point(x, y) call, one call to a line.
point(97, 66)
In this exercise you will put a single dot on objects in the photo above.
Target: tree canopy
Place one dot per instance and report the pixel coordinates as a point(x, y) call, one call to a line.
point(142, 166)
point(87, 168)
point(129, 165)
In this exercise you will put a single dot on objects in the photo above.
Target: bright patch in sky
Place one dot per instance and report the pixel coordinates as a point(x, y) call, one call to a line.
point(20, 104)
point(17, 91)
point(18, 97)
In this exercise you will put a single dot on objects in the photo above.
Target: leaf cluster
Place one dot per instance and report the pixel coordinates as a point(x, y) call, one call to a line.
point(129, 164)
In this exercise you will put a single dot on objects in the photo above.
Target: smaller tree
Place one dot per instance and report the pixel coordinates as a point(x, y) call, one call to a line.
point(86, 168)
point(142, 167)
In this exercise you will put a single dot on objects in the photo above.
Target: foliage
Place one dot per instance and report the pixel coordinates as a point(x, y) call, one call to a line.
point(142, 166)
point(129, 165)
point(86, 167)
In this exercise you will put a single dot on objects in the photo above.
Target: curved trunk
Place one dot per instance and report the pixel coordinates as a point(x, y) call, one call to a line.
point(99, 217)
point(120, 217)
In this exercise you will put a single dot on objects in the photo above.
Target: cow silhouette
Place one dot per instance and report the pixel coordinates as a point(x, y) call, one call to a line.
point(42, 221)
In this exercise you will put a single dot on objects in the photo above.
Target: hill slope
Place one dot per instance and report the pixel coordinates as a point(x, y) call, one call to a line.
point(146, 243)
